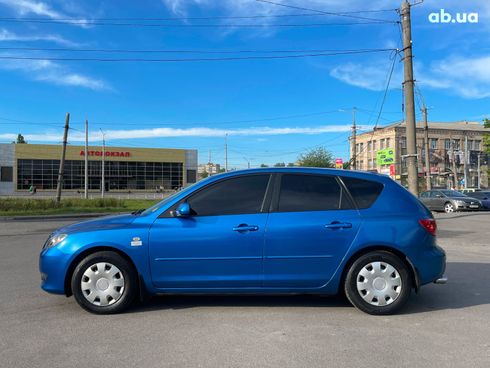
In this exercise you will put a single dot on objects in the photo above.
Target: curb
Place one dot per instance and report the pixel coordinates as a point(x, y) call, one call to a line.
point(56, 217)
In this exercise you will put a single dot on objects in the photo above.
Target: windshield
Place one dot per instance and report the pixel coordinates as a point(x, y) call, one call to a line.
point(163, 202)
point(453, 193)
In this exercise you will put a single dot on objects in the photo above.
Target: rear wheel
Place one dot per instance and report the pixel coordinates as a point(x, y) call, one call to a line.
point(104, 283)
point(449, 207)
point(378, 283)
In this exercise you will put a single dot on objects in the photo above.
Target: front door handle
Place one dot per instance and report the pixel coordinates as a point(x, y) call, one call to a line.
point(339, 225)
point(245, 227)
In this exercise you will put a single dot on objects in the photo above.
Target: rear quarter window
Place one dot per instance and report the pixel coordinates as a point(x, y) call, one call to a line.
point(364, 192)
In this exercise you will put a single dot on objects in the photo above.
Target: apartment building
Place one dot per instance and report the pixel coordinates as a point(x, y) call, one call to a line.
point(384, 150)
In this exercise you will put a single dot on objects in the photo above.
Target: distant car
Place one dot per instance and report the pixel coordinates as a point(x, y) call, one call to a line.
point(483, 197)
point(449, 201)
point(470, 190)
point(260, 231)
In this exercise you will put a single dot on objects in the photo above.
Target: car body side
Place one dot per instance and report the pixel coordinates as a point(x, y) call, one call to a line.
point(391, 223)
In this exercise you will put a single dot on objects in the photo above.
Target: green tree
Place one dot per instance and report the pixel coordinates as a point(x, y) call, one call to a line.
point(20, 139)
point(291, 164)
point(264, 165)
point(280, 164)
point(486, 136)
point(318, 157)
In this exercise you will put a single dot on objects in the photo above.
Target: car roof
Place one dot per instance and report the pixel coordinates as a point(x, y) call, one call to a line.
point(309, 170)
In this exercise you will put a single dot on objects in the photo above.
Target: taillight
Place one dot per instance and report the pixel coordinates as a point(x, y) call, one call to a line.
point(429, 225)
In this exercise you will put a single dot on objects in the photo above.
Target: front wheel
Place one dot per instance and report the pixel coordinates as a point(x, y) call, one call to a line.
point(378, 283)
point(104, 283)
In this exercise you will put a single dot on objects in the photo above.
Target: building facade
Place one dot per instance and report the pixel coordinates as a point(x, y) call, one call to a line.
point(126, 169)
point(209, 169)
point(450, 144)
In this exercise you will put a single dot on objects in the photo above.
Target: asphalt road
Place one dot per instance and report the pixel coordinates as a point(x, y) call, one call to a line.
point(443, 326)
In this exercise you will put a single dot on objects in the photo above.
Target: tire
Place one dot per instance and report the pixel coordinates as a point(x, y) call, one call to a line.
point(104, 283)
point(379, 291)
point(449, 207)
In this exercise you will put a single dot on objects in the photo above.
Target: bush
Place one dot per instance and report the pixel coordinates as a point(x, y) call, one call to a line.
point(29, 204)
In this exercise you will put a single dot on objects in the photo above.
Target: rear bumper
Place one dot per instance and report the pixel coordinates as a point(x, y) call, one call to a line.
point(431, 265)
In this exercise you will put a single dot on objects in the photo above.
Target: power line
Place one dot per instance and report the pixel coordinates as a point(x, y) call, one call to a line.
point(183, 25)
point(338, 14)
point(184, 51)
point(217, 17)
point(46, 58)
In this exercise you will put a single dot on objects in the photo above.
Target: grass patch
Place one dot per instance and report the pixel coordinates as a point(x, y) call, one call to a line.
point(29, 206)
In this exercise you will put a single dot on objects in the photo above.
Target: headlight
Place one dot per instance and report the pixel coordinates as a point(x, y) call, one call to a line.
point(54, 240)
point(460, 203)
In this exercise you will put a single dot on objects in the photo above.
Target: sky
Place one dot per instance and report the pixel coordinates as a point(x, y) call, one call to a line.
point(271, 110)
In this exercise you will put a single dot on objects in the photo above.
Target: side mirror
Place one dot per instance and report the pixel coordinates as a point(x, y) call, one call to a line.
point(182, 210)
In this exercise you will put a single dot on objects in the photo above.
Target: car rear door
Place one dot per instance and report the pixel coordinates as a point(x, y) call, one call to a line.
point(310, 228)
point(220, 245)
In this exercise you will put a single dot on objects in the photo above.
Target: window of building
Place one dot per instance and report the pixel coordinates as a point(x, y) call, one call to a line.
point(7, 173)
point(456, 144)
point(387, 144)
point(374, 146)
point(234, 196)
point(191, 176)
point(476, 145)
point(433, 143)
point(382, 144)
point(403, 142)
point(364, 192)
point(447, 144)
point(310, 193)
point(43, 174)
point(369, 146)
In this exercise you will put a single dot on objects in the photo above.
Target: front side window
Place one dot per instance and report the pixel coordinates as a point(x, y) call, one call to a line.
point(240, 195)
point(310, 193)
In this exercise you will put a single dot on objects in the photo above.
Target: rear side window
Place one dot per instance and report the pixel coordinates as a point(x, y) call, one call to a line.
point(310, 193)
point(234, 196)
point(364, 192)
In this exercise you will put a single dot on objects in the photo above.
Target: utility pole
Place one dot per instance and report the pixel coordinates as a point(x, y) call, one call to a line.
point(102, 182)
point(409, 100)
point(479, 171)
point(426, 149)
point(465, 167)
point(353, 139)
point(453, 159)
point(62, 162)
point(226, 152)
point(86, 160)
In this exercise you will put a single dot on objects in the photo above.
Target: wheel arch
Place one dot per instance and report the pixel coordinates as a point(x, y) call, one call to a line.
point(373, 248)
point(87, 252)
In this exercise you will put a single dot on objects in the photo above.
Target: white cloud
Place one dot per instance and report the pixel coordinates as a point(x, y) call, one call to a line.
point(42, 9)
point(464, 76)
point(187, 132)
point(372, 76)
point(6, 35)
point(24, 7)
point(48, 71)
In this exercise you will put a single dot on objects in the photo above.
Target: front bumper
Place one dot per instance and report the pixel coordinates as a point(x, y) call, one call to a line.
point(53, 265)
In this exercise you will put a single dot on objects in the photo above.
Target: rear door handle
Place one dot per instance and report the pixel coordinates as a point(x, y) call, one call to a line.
point(244, 228)
point(339, 225)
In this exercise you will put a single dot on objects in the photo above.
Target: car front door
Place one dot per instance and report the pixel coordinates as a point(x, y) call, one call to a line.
point(220, 244)
point(310, 228)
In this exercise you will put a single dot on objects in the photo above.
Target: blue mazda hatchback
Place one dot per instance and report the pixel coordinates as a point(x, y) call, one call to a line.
point(289, 230)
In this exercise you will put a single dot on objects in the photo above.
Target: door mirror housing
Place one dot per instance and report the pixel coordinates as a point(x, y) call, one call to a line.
point(182, 210)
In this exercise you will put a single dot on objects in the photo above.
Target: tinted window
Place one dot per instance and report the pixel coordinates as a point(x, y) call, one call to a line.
point(309, 193)
point(364, 192)
point(453, 193)
point(424, 195)
point(230, 197)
